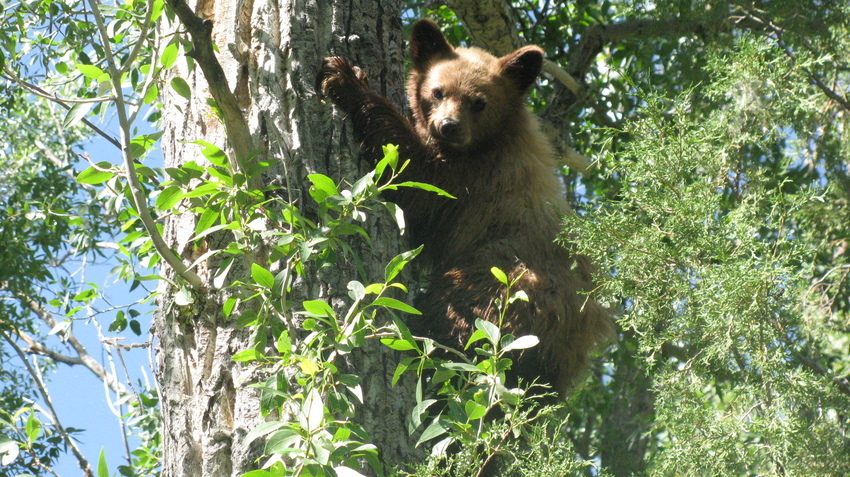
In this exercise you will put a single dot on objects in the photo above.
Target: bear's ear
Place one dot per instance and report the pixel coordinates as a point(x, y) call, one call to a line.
point(522, 66)
point(427, 42)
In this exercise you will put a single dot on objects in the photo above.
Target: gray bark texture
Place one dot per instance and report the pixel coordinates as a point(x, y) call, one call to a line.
point(271, 53)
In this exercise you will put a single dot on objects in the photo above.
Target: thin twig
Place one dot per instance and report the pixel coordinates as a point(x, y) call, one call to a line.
point(153, 59)
point(84, 358)
point(10, 75)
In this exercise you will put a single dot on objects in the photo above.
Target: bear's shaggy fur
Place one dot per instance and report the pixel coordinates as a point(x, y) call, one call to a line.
point(473, 136)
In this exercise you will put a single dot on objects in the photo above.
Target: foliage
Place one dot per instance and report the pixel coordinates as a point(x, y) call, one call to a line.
point(55, 228)
point(708, 242)
point(475, 424)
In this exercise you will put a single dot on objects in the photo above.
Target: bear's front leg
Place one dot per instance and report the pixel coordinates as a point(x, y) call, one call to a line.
point(376, 121)
point(344, 84)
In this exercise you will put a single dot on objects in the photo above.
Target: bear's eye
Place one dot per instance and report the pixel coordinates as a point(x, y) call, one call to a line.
point(437, 94)
point(478, 104)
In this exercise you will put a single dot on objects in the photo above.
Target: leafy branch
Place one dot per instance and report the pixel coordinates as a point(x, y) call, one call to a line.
point(137, 191)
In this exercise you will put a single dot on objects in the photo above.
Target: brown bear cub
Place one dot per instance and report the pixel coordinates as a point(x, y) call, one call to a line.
point(473, 136)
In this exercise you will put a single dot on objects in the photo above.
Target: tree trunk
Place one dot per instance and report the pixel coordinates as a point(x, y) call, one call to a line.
point(271, 53)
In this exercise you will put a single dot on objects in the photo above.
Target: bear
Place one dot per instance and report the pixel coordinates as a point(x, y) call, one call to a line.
point(472, 135)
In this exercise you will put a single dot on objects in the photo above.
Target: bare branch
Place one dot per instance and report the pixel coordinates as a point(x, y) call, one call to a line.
point(36, 90)
point(37, 348)
point(36, 375)
point(238, 133)
point(83, 356)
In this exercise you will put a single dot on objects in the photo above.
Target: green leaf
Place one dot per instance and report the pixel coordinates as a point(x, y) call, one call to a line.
point(500, 275)
point(317, 308)
point(283, 343)
point(141, 145)
point(9, 451)
point(476, 336)
point(207, 219)
point(474, 411)
point(426, 187)
point(262, 276)
point(462, 367)
point(205, 188)
point(398, 262)
point(220, 277)
point(264, 428)
point(308, 367)
point(312, 411)
point(90, 71)
point(523, 342)
point(151, 94)
point(247, 318)
point(169, 55)
point(213, 153)
point(396, 305)
point(492, 330)
point(168, 198)
point(434, 430)
point(403, 366)
point(397, 344)
point(184, 297)
point(397, 214)
point(258, 473)
point(216, 228)
point(418, 412)
point(77, 112)
point(362, 185)
point(102, 467)
point(96, 175)
point(181, 87)
point(32, 428)
point(228, 306)
point(322, 188)
point(247, 355)
point(390, 159)
point(281, 442)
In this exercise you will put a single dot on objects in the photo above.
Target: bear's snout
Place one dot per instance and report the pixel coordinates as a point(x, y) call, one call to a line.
point(450, 130)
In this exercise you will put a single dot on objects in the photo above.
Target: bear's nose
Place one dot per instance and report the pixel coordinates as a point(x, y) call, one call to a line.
point(450, 129)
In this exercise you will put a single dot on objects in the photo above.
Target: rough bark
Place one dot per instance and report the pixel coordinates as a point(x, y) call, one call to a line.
point(270, 53)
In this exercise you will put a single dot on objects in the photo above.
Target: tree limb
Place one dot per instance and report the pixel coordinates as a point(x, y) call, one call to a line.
point(83, 358)
point(36, 375)
point(36, 90)
point(168, 255)
point(37, 348)
point(236, 128)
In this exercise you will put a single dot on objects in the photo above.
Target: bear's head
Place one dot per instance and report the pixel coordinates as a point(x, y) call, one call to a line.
point(465, 98)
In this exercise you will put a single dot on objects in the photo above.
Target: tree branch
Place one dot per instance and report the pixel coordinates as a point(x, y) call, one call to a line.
point(36, 375)
point(83, 358)
point(37, 348)
point(236, 128)
point(34, 89)
point(168, 255)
